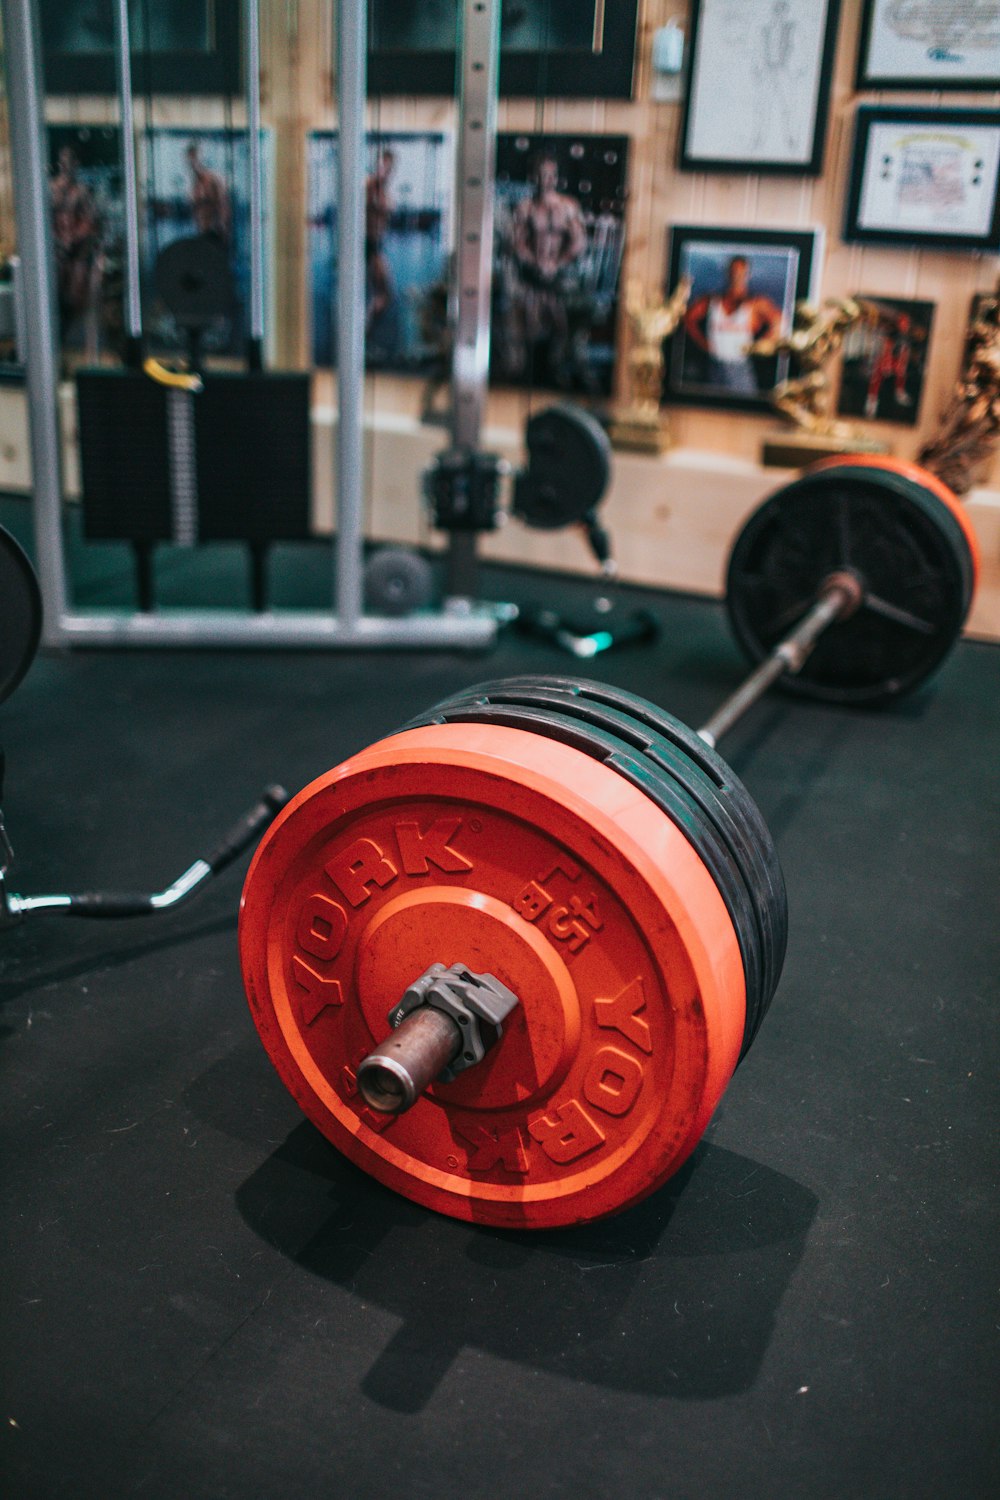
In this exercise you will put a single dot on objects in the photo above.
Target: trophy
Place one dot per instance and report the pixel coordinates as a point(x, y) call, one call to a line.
point(638, 424)
point(969, 428)
point(816, 337)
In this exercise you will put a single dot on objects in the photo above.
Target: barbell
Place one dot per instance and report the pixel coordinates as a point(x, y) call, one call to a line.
point(508, 958)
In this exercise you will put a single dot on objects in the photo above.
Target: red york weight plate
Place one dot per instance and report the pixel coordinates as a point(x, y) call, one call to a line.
point(525, 858)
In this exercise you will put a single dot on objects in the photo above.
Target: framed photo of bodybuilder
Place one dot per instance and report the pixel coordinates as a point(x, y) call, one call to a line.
point(558, 242)
point(178, 46)
point(758, 85)
point(929, 44)
point(195, 187)
point(409, 191)
point(548, 48)
point(87, 214)
point(925, 176)
point(744, 287)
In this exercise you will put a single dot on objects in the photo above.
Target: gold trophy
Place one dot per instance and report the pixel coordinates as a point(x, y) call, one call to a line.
point(969, 429)
point(638, 424)
point(816, 337)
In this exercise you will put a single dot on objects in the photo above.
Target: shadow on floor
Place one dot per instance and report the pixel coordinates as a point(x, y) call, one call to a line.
point(677, 1297)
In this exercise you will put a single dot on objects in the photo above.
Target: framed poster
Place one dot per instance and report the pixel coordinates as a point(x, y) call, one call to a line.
point(885, 360)
point(409, 188)
point(925, 177)
point(548, 48)
point(88, 231)
point(758, 85)
point(744, 284)
point(196, 182)
point(178, 46)
point(929, 44)
point(558, 241)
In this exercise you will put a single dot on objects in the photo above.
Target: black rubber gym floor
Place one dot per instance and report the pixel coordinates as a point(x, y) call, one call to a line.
point(202, 1299)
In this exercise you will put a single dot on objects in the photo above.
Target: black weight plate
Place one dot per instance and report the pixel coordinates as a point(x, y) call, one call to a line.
point(669, 794)
point(898, 536)
point(397, 581)
point(253, 460)
point(595, 728)
point(739, 898)
point(743, 825)
point(20, 614)
point(747, 836)
point(193, 279)
point(124, 456)
point(569, 468)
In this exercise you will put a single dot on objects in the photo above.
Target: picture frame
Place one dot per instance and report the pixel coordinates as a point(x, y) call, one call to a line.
point(925, 176)
point(937, 44)
point(773, 65)
point(87, 215)
point(885, 360)
point(706, 361)
point(173, 164)
point(193, 46)
point(558, 249)
point(409, 234)
point(558, 49)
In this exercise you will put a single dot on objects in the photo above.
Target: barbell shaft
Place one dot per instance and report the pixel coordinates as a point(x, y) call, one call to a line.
point(839, 597)
point(139, 904)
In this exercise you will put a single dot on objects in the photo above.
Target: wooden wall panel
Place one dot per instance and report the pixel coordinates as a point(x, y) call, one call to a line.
point(661, 195)
point(298, 96)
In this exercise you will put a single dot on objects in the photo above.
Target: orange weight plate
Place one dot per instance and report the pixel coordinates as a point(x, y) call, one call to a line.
point(515, 855)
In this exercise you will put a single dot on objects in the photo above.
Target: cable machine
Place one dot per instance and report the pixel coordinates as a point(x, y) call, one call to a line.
point(346, 624)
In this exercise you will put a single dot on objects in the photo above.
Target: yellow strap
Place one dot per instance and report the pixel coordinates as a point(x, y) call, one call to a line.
point(178, 380)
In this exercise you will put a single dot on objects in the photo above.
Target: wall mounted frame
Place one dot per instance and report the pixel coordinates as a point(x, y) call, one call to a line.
point(193, 46)
point(925, 176)
point(948, 45)
point(548, 48)
point(771, 65)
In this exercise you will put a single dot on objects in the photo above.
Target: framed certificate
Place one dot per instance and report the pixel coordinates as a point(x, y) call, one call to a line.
point(925, 177)
point(929, 44)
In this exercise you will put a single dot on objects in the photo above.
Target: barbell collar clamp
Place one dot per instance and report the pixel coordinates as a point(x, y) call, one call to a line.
point(447, 1021)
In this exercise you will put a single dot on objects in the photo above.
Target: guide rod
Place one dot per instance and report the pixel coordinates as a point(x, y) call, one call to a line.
point(130, 189)
point(472, 283)
point(840, 595)
point(33, 216)
point(349, 310)
point(251, 31)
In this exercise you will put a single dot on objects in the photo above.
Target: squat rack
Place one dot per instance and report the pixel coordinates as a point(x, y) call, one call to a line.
point(346, 625)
